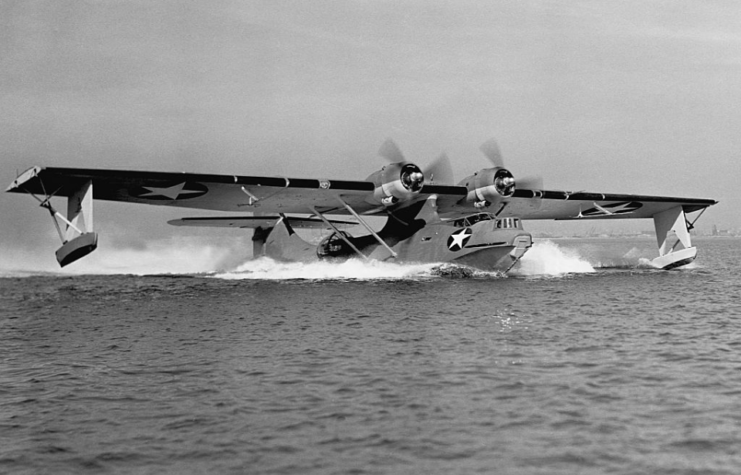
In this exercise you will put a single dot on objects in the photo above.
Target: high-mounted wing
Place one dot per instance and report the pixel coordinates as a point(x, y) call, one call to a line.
point(564, 205)
point(297, 195)
point(201, 191)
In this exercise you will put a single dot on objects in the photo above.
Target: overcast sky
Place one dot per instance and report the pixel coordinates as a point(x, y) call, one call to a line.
point(629, 96)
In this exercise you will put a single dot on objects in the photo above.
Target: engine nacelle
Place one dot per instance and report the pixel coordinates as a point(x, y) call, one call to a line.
point(488, 186)
point(397, 182)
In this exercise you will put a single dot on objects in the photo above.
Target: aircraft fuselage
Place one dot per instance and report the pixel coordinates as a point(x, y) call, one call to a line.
point(480, 241)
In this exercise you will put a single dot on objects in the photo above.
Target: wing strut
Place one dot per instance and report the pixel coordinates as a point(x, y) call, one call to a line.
point(339, 234)
point(78, 239)
point(370, 230)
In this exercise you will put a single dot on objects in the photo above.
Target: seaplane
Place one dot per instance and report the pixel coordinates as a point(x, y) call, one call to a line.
point(428, 219)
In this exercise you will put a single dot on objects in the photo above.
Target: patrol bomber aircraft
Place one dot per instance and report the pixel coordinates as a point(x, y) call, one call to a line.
point(476, 223)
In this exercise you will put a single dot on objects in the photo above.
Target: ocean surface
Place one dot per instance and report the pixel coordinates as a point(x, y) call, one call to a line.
point(584, 360)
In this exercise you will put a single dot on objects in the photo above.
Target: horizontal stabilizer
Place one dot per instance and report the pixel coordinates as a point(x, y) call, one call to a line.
point(256, 222)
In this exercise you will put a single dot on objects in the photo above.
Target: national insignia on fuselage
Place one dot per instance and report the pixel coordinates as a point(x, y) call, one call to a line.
point(458, 239)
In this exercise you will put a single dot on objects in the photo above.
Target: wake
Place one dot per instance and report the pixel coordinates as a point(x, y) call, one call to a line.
point(265, 268)
point(543, 259)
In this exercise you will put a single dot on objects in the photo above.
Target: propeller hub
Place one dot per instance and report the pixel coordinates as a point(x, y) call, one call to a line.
point(504, 182)
point(412, 177)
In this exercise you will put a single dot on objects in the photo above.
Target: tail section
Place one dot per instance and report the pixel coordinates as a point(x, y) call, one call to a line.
point(282, 243)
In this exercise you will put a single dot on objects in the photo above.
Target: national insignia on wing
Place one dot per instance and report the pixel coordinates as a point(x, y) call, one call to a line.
point(180, 191)
point(614, 208)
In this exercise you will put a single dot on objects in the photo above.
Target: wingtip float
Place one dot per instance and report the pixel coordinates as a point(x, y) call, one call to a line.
point(477, 222)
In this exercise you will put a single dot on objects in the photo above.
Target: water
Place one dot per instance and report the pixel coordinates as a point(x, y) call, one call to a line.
point(583, 361)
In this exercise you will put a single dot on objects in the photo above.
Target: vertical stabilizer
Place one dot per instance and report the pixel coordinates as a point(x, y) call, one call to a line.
point(284, 244)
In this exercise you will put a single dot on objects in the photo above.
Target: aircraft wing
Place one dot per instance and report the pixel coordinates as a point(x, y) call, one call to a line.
point(202, 191)
point(563, 205)
point(297, 195)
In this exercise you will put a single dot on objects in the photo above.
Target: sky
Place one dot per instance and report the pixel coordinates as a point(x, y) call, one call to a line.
point(624, 97)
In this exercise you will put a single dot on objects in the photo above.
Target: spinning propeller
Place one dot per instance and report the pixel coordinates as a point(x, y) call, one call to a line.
point(490, 149)
point(439, 171)
point(497, 179)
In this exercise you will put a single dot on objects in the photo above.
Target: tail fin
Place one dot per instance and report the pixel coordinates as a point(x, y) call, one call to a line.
point(282, 243)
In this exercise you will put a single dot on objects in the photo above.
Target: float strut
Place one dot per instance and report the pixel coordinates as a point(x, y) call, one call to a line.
point(342, 236)
point(56, 214)
point(370, 230)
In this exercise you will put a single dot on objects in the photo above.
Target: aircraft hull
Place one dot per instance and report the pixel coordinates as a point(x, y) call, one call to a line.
point(497, 259)
point(481, 246)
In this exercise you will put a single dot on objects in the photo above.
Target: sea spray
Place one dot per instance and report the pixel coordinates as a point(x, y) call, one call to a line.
point(172, 256)
point(549, 259)
point(265, 268)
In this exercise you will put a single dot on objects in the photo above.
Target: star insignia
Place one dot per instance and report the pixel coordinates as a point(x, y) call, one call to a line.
point(615, 208)
point(458, 239)
point(173, 192)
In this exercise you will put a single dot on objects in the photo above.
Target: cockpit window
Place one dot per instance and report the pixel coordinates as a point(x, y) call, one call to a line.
point(473, 219)
point(501, 223)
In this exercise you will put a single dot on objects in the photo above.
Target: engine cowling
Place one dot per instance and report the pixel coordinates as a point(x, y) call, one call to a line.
point(397, 182)
point(488, 186)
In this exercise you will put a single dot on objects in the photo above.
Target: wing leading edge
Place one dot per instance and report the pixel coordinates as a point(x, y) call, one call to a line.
point(296, 195)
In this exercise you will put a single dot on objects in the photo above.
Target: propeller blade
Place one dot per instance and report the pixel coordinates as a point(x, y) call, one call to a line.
point(492, 152)
point(440, 171)
point(391, 152)
point(534, 183)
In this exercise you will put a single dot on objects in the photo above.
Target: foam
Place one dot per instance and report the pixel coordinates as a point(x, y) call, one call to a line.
point(547, 258)
point(265, 268)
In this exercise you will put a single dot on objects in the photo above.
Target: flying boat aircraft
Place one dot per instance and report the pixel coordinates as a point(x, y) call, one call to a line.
point(477, 223)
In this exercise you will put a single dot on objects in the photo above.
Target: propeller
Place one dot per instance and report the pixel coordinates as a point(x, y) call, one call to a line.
point(391, 152)
point(440, 171)
point(490, 148)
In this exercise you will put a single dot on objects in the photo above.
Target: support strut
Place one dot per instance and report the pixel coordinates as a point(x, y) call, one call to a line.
point(341, 236)
point(370, 230)
point(78, 238)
